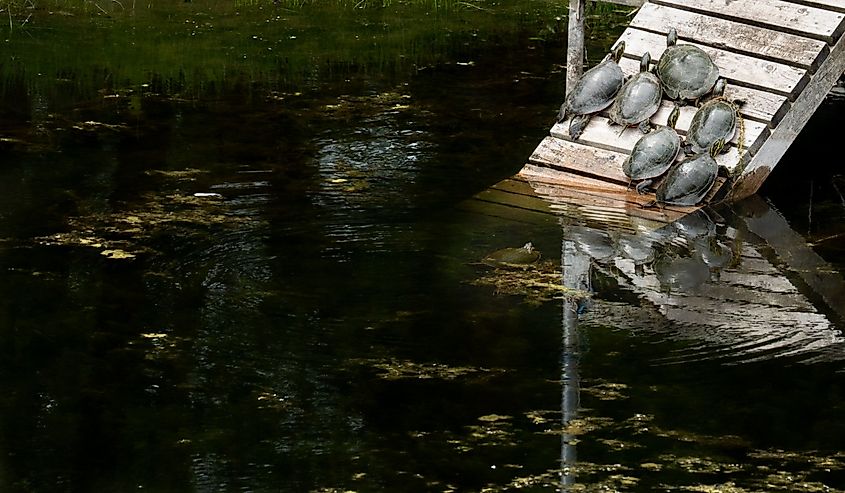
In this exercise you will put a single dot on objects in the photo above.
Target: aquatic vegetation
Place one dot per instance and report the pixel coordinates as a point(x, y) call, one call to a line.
point(122, 235)
point(394, 369)
point(536, 283)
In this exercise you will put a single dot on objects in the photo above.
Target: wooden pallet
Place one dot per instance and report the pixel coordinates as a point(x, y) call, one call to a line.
point(780, 57)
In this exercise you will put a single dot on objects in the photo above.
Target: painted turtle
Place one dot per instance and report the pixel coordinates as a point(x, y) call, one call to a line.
point(593, 92)
point(688, 182)
point(506, 257)
point(716, 119)
point(638, 99)
point(654, 153)
point(686, 71)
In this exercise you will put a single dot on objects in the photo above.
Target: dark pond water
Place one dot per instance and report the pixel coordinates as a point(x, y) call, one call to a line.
point(239, 251)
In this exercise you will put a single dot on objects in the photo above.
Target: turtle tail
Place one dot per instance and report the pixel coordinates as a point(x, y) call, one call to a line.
point(561, 115)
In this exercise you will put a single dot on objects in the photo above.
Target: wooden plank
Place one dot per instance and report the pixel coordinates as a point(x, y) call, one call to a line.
point(761, 164)
point(834, 5)
point(743, 69)
point(743, 38)
point(627, 3)
point(775, 14)
point(580, 158)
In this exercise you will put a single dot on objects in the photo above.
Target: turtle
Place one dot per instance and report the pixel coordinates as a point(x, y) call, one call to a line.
point(638, 99)
point(686, 71)
point(506, 257)
point(688, 182)
point(654, 153)
point(593, 92)
point(716, 119)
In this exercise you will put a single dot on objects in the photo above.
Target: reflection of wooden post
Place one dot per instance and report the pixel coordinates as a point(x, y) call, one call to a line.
point(576, 275)
point(575, 43)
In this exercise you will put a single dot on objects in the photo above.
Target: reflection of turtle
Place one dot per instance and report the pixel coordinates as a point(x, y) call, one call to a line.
point(638, 99)
point(526, 255)
point(593, 92)
point(680, 273)
point(689, 181)
point(686, 71)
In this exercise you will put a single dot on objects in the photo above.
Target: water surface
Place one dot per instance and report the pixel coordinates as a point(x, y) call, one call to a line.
point(240, 250)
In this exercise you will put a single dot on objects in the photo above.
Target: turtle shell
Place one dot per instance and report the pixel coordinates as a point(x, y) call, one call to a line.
point(688, 182)
point(652, 154)
point(686, 72)
point(596, 89)
point(513, 256)
point(715, 120)
point(638, 100)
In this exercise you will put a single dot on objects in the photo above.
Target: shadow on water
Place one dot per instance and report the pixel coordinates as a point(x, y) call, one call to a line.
point(237, 253)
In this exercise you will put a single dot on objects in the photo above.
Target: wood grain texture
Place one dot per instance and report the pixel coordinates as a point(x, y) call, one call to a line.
point(775, 14)
point(751, 40)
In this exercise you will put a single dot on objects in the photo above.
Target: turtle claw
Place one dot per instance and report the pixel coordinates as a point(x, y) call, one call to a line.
point(577, 126)
point(642, 186)
point(644, 126)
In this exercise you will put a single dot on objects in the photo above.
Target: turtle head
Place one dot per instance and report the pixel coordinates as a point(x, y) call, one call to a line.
point(673, 116)
point(717, 148)
point(719, 88)
point(672, 37)
point(616, 53)
point(645, 61)
point(528, 247)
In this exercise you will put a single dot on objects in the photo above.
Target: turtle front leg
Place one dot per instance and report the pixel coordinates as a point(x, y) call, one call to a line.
point(644, 126)
point(577, 126)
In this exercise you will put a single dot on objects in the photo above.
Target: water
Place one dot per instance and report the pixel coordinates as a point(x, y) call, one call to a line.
point(240, 254)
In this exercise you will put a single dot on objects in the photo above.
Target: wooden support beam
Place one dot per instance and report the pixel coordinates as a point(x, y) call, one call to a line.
point(752, 175)
point(575, 43)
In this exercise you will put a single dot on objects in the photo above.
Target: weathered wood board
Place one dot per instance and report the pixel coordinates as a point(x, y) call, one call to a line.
point(751, 40)
point(788, 17)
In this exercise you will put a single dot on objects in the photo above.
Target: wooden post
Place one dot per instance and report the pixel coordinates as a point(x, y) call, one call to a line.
point(575, 43)
point(765, 159)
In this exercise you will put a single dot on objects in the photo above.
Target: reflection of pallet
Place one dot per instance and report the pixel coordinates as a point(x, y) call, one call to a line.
point(539, 195)
point(780, 57)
